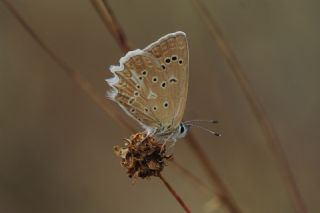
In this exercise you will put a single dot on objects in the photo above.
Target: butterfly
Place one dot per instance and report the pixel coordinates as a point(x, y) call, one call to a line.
point(151, 85)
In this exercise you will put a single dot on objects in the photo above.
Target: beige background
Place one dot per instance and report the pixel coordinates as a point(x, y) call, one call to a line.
point(56, 144)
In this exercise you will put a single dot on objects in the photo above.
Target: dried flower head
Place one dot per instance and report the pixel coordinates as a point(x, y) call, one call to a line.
point(142, 156)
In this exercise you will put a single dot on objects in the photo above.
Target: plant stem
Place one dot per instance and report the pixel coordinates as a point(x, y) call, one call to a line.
point(272, 139)
point(111, 23)
point(220, 188)
point(174, 194)
point(197, 181)
point(74, 74)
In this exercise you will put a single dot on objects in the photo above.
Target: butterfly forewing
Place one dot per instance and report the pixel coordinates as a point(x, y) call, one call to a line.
point(151, 85)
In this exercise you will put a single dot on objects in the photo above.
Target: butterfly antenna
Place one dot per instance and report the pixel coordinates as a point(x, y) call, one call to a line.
point(200, 120)
point(203, 128)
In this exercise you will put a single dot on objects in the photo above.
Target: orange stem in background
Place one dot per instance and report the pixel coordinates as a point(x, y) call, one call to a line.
point(273, 141)
point(205, 188)
point(85, 85)
point(221, 190)
point(174, 194)
point(111, 23)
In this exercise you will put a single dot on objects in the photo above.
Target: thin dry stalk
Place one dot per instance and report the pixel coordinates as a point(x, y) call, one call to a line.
point(174, 194)
point(85, 85)
point(258, 110)
point(220, 188)
point(111, 23)
point(197, 181)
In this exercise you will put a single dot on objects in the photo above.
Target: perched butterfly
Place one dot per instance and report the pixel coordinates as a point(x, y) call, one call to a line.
point(151, 85)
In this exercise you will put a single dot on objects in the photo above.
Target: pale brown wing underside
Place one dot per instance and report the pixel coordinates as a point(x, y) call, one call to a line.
point(151, 85)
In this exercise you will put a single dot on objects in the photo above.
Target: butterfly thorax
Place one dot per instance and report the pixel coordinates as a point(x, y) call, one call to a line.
point(173, 134)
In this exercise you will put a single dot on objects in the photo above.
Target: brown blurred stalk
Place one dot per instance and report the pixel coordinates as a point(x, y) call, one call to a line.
point(85, 85)
point(258, 110)
point(220, 189)
point(174, 194)
point(110, 21)
point(197, 181)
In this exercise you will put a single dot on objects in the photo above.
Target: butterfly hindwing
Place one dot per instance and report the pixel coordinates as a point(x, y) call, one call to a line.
point(129, 88)
point(171, 52)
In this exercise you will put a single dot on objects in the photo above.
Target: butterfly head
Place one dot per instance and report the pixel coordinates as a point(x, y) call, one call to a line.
point(181, 131)
point(183, 128)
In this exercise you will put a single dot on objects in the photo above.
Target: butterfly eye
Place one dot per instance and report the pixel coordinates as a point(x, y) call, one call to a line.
point(180, 61)
point(163, 66)
point(133, 110)
point(146, 110)
point(140, 78)
point(181, 129)
point(167, 60)
point(155, 108)
point(144, 73)
point(138, 86)
point(174, 58)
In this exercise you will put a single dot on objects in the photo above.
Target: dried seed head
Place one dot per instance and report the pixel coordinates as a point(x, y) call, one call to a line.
point(142, 156)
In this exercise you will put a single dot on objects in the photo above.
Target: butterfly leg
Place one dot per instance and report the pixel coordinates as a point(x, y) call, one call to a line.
point(173, 143)
point(166, 140)
point(163, 145)
point(144, 135)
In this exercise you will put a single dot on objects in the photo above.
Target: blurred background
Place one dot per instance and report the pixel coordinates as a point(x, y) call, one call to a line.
point(56, 144)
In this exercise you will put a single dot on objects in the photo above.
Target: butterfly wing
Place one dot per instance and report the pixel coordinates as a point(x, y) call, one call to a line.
point(151, 85)
point(172, 53)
